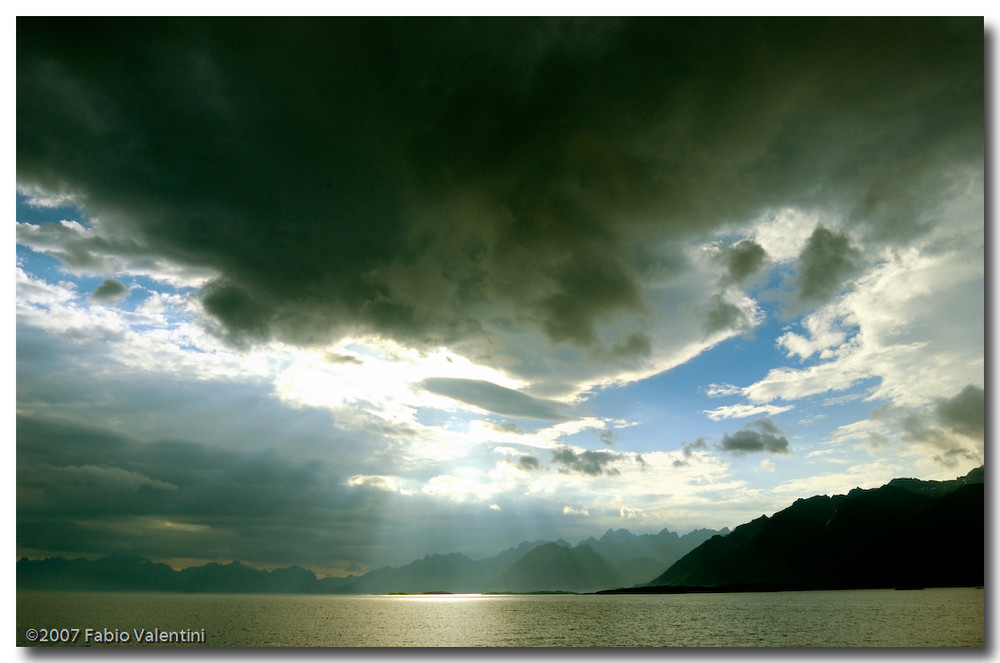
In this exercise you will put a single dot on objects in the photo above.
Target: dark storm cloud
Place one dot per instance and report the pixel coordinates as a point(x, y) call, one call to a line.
point(506, 427)
point(110, 290)
point(757, 436)
point(85, 251)
point(827, 259)
point(602, 284)
point(965, 413)
point(86, 471)
point(335, 358)
point(423, 178)
point(688, 450)
point(245, 319)
point(86, 491)
point(952, 457)
point(636, 346)
point(697, 445)
point(527, 463)
point(722, 316)
point(494, 398)
point(593, 463)
point(743, 259)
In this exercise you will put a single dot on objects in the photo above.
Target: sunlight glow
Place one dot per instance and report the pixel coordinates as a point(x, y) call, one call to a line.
point(378, 376)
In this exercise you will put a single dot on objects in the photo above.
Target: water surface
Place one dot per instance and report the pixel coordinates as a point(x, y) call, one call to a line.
point(861, 618)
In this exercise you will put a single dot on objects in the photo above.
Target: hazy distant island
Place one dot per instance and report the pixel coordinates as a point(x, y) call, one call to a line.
point(908, 533)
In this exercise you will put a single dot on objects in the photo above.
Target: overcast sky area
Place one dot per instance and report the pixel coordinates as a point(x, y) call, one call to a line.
point(339, 293)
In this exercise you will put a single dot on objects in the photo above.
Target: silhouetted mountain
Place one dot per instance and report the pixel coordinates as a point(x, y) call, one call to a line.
point(553, 567)
point(130, 573)
point(433, 573)
point(455, 573)
point(906, 533)
point(638, 557)
point(237, 577)
point(715, 548)
point(632, 558)
point(938, 488)
point(332, 584)
point(114, 573)
point(511, 555)
point(442, 573)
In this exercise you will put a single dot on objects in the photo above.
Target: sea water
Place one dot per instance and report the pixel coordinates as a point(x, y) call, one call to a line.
point(952, 617)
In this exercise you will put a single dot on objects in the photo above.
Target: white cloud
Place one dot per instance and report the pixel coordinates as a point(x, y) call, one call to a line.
point(507, 451)
point(914, 321)
point(742, 410)
point(88, 250)
point(374, 481)
point(784, 233)
point(716, 390)
point(865, 433)
point(507, 476)
point(824, 332)
point(571, 511)
point(36, 197)
point(158, 336)
point(791, 384)
point(383, 379)
point(35, 293)
point(467, 485)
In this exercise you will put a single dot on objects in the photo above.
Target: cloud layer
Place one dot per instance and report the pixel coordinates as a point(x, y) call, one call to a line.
point(467, 182)
point(344, 291)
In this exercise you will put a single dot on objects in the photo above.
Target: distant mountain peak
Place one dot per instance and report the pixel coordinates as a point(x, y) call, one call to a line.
point(617, 534)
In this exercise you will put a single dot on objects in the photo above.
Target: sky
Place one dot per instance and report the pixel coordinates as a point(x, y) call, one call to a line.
point(341, 293)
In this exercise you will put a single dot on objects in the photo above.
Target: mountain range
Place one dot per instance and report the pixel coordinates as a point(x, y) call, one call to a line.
point(907, 533)
point(618, 558)
point(132, 573)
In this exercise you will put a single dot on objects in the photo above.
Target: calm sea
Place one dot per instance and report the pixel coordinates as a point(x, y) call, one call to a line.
point(863, 618)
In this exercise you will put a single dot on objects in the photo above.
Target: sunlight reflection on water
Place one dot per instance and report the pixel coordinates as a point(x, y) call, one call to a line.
point(440, 597)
